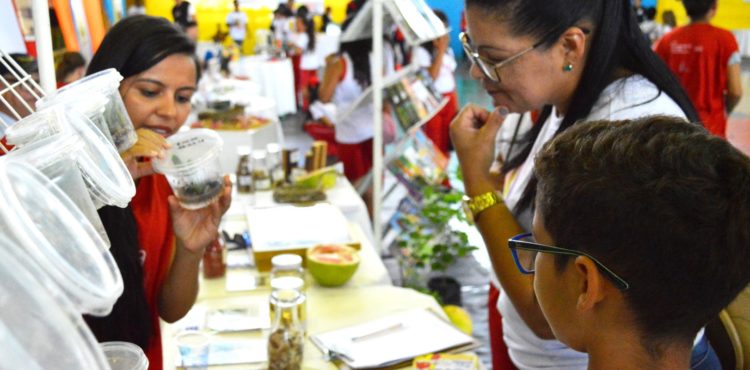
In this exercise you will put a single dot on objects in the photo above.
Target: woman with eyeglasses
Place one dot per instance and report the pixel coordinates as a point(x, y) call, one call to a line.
point(573, 61)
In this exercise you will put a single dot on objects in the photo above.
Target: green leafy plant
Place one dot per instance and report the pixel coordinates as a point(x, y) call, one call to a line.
point(427, 241)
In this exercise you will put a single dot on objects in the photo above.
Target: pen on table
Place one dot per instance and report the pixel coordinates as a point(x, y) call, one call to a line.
point(378, 332)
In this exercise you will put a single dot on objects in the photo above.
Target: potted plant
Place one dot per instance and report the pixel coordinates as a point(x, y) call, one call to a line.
point(428, 245)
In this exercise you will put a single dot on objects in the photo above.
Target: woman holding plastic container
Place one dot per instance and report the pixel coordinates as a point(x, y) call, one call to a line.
point(157, 243)
point(573, 60)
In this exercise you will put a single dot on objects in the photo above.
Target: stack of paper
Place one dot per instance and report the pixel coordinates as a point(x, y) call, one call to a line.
point(391, 340)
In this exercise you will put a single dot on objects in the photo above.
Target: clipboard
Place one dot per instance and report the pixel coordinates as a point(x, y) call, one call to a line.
point(392, 341)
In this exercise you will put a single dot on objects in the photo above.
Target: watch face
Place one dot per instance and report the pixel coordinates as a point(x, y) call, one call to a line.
point(467, 211)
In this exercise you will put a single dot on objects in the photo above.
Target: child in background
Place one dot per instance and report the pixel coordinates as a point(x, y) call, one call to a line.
point(69, 68)
point(640, 238)
point(706, 60)
point(438, 58)
point(304, 45)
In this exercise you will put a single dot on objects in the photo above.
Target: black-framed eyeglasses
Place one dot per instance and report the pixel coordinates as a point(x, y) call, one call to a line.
point(488, 68)
point(525, 249)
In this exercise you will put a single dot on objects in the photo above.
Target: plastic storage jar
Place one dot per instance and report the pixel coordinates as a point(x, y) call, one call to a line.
point(39, 328)
point(44, 224)
point(82, 96)
point(124, 356)
point(192, 167)
point(56, 157)
point(104, 172)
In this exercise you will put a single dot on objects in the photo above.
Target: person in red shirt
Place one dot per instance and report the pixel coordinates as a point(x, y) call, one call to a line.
point(157, 243)
point(706, 60)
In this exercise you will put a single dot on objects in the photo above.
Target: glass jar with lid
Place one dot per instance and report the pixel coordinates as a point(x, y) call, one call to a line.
point(287, 265)
point(287, 338)
point(273, 160)
point(261, 174)
point(244, 176)
point(286, 283)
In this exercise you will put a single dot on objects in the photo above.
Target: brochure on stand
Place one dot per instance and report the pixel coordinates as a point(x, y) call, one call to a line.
point(392, 340)
point(414, 18)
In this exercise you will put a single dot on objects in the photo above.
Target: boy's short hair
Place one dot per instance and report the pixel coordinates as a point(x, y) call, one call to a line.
point(663, 204)
point(697, 8)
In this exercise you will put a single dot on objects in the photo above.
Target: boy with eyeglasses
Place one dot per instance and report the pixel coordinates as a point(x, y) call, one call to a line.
point(641, 235)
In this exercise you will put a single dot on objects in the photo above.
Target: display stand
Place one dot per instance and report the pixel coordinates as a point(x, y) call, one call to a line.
point(419, 24)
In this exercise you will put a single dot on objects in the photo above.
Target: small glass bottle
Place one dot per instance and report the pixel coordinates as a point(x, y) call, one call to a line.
point(284, 283)
point(287, 338)
point(244, 176)
point(273, 160)
point(261, 175)
point(213, 261)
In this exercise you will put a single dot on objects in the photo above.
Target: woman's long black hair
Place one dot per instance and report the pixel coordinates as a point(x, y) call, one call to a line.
point(132, 46)
point(309, 29)
point(138, 43)
point(617, 43)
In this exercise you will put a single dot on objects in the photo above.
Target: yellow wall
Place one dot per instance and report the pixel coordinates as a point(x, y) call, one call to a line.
point(732, 14)
point(210, 13)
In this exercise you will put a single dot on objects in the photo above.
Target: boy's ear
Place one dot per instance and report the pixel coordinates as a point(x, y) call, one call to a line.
point(591, 287)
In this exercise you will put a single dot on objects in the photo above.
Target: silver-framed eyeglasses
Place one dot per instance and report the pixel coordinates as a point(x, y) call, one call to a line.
point(524, 249)
point(488, 68)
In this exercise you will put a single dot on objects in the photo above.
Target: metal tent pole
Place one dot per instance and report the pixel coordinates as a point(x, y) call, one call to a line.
point(45, 54)
point(377, 96)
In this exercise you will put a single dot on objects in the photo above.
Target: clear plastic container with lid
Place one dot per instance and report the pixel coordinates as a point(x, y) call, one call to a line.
point(56, 157)
point(47, 227)
point(39, 328)
point(124, 356)
point(192, 167)
point(106, 176)
point(85, 95)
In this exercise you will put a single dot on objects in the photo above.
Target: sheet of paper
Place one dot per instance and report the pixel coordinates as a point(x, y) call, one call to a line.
point(393, 339)
point(231, 352)
point(254, 316)
point(282, 227)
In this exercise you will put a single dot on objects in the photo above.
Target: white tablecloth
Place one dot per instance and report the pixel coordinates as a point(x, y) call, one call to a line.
point(275, 77)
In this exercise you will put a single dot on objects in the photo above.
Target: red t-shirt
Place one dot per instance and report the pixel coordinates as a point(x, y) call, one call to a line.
point(156, 237)
point(699, 54)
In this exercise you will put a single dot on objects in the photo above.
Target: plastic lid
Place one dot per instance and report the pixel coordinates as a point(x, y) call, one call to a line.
point(287, 283)
point(39, 328)
point(89, 103)
point(49, 150)
point(41, 124)
point(124, 356)
point(286, 261)
point(103, 170)
point(108, 79)
point(56, 235)
point(190, 149)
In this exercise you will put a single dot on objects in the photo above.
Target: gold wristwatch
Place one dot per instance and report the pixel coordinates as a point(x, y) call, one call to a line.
point(475, 205)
